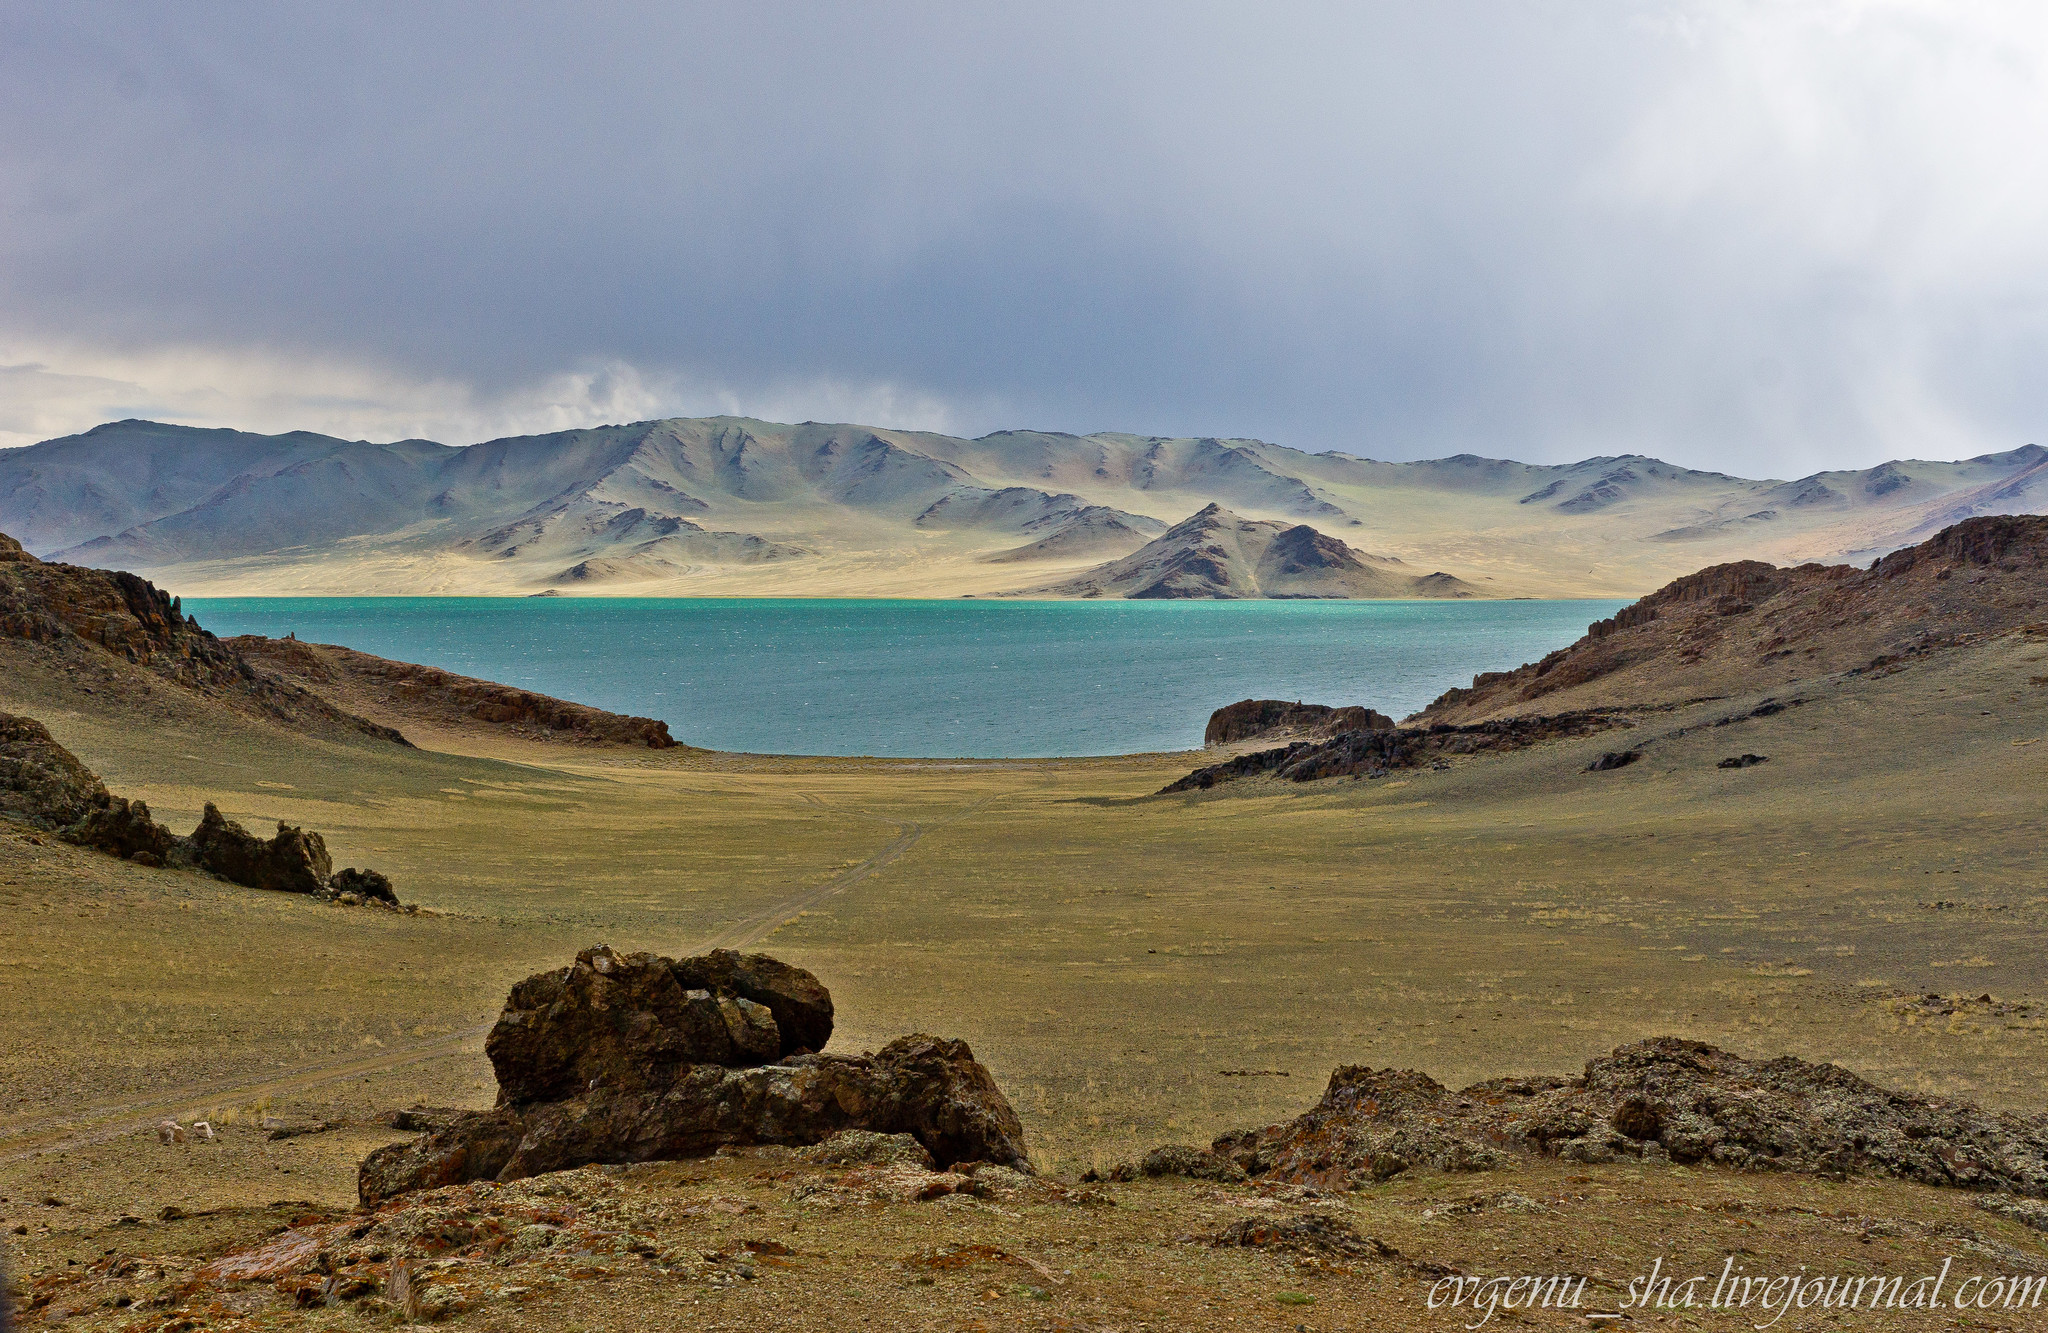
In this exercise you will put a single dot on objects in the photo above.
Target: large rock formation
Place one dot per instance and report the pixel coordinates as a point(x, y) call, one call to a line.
point(1663, 1100)
point(1377, 751)
point(631, 1058)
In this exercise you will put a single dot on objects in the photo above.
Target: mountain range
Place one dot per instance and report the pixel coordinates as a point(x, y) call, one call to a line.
point(736, 507)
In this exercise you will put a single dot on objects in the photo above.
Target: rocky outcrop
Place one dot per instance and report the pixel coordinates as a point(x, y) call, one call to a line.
point(1376, 752)
point(121, 827)
point(633, 1057)
point(41, 782)
point(1662, 1100)
point(293, 861)
point(1252, 719)
point(410, 693)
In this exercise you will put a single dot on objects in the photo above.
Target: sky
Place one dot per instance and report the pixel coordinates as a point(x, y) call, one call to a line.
point(1761, 238)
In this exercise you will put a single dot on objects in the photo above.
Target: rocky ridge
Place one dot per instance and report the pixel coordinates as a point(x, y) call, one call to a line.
point(1257, 719)
point(624, 1058)
point(430, 695)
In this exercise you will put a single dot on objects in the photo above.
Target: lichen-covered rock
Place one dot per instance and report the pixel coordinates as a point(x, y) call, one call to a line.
point(1666, 1099)
point(41, 782)
point(863, 1147)
point(928, 1088)
point(294, 861)
point(1179, 1159)
point(637, 1022)
point(464, 1146)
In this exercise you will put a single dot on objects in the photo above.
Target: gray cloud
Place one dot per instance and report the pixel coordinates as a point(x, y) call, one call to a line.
point(1762, 238)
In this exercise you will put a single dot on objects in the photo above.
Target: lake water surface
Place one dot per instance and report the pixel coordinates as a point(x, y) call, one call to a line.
point(933, 678)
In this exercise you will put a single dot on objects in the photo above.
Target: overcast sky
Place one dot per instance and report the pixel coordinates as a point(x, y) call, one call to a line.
point(1762, 238)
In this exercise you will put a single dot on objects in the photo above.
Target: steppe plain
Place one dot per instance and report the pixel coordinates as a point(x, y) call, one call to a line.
point(1134, 969)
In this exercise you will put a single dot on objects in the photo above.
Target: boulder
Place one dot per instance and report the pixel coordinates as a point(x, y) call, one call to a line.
point(41, 782)
point(925, 1087)
point(294, 861)
point(364, 884)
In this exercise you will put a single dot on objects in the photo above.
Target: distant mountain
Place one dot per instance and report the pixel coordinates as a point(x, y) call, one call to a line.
point(1217, 555)
point(732, 506)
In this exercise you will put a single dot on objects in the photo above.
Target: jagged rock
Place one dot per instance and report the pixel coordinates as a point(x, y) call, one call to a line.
point(637, 1022)
point(294, 861)
point(41, 781)
point(1666, 1099)
point(121, 827)
point(929, 1088)
point(1614, 759)
point(364, 884)
point(1744, 761)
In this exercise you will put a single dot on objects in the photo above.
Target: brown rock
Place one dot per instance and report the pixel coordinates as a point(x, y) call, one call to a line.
point(469, 1145)
point(364, 884)
point(294, 861)
point(1251, 719)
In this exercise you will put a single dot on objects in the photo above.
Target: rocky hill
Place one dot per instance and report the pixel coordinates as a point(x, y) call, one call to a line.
point(1219, 555)
point(729, 505)
point(1747, 626)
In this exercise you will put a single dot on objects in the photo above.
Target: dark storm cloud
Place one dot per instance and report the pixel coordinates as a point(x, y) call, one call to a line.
point(1760, 239)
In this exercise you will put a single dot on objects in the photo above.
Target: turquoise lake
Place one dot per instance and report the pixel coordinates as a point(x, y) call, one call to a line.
point(934, 678)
